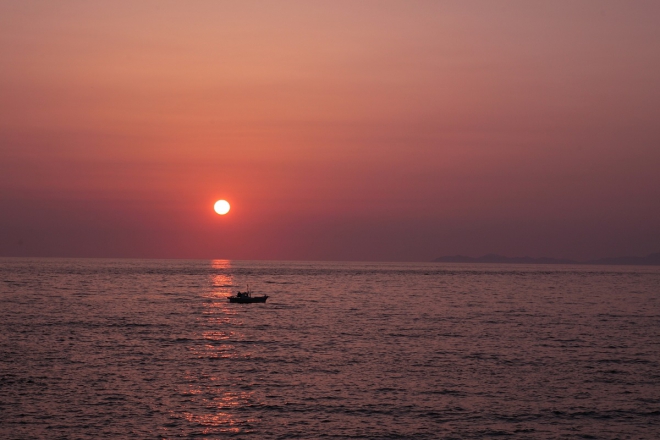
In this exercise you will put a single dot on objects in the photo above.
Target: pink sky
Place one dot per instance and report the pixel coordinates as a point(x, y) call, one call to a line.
point(339, 130)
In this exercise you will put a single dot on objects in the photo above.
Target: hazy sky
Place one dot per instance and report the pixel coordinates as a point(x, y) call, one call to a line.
point(342, 130)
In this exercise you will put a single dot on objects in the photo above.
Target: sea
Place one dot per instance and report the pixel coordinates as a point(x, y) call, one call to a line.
point(152, 349)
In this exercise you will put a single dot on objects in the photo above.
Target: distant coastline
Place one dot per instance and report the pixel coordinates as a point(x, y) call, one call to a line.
point(649, 260)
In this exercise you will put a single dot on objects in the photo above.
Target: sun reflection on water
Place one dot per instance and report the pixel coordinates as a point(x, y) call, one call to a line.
point(219, 416)
point(222, 280)
point(215, 400)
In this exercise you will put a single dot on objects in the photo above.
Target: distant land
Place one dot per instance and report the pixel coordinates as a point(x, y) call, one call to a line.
point(649, 260)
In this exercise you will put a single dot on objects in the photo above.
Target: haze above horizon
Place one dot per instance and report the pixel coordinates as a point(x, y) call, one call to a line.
point(382, 131)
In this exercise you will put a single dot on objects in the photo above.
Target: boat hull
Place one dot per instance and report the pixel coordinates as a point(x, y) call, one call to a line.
point(247, 300)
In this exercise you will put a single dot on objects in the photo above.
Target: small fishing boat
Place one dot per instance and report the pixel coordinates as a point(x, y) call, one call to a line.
point(247, 298)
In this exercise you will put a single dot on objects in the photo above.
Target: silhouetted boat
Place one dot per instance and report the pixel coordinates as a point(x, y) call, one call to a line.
point(247, 298)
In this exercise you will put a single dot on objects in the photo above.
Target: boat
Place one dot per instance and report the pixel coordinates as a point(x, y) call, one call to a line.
point(247, 298)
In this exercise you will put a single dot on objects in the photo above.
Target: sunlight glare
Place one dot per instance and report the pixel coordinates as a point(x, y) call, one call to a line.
point(221, 207)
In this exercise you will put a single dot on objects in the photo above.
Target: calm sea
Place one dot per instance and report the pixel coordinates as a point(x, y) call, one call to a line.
point(152, 349)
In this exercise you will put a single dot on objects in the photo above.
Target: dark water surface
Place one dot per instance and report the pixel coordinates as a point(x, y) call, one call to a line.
point(152, 349)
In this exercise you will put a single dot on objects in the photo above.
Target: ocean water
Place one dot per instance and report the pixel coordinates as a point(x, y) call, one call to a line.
point(152, 349)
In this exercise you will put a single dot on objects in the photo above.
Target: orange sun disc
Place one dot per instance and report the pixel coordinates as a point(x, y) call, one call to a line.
point(221, 207)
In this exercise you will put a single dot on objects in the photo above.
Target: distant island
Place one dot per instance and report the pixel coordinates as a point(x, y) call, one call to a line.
point(649, 260)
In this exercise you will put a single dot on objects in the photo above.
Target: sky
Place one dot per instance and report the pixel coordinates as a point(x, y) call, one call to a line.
point(337, 130)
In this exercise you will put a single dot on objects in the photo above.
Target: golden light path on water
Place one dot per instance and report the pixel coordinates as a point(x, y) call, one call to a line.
point(215, 391)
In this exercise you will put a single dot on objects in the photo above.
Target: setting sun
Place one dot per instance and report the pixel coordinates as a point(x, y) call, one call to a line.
point(221, 207)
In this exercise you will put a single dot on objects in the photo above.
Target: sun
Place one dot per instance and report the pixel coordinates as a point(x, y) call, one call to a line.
point(221, 207)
